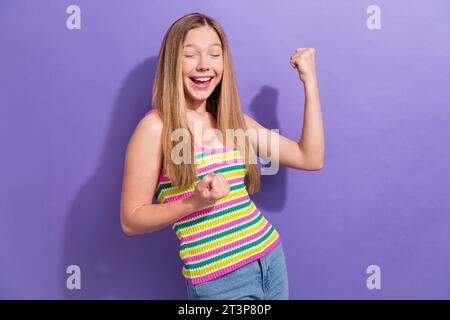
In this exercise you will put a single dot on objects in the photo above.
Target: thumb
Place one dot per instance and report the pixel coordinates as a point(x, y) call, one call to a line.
point(206, 180)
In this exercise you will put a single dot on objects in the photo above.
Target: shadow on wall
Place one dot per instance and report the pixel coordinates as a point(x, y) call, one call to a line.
point(113, 265)
point(272, 194)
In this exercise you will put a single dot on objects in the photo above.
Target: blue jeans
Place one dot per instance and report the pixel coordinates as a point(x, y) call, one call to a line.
point(263, 279)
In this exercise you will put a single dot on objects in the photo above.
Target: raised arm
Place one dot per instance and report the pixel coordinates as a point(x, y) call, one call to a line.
point(308, 152)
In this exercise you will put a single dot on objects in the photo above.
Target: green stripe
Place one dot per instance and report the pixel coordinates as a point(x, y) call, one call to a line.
point(224, 169)
point(232, 188)
point(213, 216)
point(202, 155)
point(161, 187)
point(221, 234)
point(208, 153)
point(237, 186)
point(168, 184)
point(230, 253)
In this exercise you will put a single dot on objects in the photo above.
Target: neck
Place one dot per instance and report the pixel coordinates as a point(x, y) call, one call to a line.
point(197, 106)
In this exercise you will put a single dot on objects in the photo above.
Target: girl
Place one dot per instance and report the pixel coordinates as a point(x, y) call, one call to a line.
point(229, 249)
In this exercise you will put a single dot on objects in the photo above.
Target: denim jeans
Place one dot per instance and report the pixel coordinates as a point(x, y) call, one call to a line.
point(263, 279)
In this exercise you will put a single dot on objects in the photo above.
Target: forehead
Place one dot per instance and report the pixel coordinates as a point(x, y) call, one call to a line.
point(203, 37)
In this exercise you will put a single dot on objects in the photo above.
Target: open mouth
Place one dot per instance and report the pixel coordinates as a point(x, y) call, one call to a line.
point(201, 82)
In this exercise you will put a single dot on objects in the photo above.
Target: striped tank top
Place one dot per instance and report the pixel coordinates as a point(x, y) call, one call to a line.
point(226, 235)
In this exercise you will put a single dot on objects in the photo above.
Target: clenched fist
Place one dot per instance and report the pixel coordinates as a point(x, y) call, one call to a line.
point(304, 60)
point(211, 188)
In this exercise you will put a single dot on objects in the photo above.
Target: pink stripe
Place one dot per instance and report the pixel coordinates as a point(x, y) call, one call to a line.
point(197, 147)
point(219, 228)
point(179, 196)
point(213, 208)
point(228, 269)
point(236, 180)
point(152, 110)
point(217, 207)
point(220, 164)
point(163, 178)
point(237, 243)
point(182, 195)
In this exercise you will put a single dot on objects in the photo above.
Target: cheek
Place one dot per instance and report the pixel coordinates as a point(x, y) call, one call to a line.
point(186, 67)
point(219, 67)
point(220, 74)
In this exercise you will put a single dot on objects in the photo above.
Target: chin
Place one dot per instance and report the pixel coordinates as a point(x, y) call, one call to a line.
point(198, 95)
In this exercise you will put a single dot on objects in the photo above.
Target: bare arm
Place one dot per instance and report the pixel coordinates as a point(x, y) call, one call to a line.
point(142, 167)
point(291, 153)
point(308, 152)
point(153, 217)
point(312, 140)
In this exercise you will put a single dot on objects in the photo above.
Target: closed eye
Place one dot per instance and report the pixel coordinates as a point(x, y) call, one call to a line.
point(190, 56)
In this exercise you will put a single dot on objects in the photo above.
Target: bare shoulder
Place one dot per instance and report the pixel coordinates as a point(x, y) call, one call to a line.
point(246, 117)
point(145, 142)
point(151, 123)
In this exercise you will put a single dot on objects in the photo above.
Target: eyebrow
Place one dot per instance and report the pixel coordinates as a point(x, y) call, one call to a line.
point(193, 45)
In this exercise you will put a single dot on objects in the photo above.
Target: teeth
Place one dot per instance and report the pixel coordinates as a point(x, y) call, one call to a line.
point(203, 79)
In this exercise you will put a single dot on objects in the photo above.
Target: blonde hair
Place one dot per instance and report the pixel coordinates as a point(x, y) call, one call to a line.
point(224, 102)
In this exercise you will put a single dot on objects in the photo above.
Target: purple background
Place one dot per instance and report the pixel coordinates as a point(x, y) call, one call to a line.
point(70, 100)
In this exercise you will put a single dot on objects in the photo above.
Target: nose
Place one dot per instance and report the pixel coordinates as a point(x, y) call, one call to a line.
point(203, 64)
